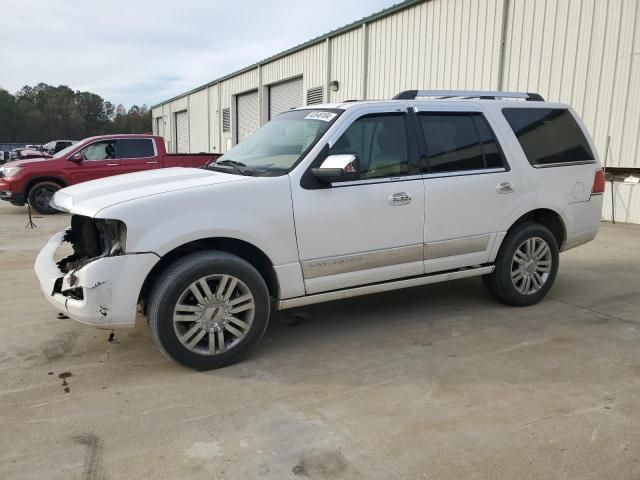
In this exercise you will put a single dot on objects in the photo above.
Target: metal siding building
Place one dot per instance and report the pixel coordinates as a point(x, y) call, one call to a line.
point(582, 52)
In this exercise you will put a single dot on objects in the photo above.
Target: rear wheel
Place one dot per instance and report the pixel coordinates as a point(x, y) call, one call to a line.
point(208, 310)
point(40, 196)
point(526, 266)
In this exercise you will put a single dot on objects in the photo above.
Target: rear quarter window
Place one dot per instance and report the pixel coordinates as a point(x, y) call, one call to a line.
point(549, 135)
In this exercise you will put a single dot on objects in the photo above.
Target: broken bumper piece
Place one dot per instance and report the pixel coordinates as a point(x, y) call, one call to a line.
point(103, 292)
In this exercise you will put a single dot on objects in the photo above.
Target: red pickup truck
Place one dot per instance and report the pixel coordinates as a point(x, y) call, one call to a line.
point(36, 180)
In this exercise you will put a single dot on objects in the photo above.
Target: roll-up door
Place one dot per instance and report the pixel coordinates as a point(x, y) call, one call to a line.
point(159, 126)
point(284, 96)
point(182, 132)
point(247, 115)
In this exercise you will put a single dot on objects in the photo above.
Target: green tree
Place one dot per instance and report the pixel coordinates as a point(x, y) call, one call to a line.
point(36, 114)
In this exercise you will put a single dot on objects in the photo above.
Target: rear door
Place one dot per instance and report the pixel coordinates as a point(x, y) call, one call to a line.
point(136, 154)
point(99, 160)
point(470, 188)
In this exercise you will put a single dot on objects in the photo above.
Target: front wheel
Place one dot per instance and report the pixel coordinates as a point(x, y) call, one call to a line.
point(208, 310)
point(526, 266)
point(40, 197)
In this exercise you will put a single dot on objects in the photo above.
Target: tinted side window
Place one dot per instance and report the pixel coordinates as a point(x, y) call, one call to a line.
point(452, 142)
point(380, 142)
point(60, 146)
point(548, 135)
point(492, 154)
point(135, 148)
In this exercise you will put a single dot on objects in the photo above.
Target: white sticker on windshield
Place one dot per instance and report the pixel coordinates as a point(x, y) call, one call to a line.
point(324, 116)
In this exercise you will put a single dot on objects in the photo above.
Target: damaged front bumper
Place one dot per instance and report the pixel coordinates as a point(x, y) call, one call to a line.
point(102, 292)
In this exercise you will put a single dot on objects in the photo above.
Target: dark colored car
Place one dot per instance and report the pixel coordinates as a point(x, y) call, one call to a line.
point(55, 146)
point(25, 153)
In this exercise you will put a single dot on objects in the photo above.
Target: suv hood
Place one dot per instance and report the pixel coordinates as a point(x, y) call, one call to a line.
point(89, 198)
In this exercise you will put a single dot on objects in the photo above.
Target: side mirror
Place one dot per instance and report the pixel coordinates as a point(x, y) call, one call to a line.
point(77, 157)
point(338, 168)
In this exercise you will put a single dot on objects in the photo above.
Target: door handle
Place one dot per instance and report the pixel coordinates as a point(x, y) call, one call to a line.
point(505, 187)
point(112, 164)
point(151, 163)
point(399, 198)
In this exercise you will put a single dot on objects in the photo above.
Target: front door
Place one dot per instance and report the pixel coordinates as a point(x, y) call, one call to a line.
point(367, 230)
point(469, 188)
point(99, 160)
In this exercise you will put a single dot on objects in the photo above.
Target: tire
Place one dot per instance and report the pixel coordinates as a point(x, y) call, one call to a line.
point(40, 195)
point(513, 266)
point(178, 316)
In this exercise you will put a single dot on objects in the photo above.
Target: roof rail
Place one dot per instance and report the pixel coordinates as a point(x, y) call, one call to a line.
point(480, 94)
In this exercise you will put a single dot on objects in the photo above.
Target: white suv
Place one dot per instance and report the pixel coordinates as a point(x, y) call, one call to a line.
point(327, 202)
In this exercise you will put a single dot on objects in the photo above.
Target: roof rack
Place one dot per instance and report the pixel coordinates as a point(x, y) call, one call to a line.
point(480, 94)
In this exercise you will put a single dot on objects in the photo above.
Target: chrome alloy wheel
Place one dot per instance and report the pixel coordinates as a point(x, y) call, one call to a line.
point(531, 265)
point(213, 314)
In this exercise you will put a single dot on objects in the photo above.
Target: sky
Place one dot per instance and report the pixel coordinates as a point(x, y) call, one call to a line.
point(145, 51)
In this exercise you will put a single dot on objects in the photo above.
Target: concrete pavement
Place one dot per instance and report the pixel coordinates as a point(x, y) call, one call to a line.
point(436, 382)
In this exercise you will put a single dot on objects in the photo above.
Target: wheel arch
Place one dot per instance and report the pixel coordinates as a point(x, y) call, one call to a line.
point(33, 182)
point(245, 250)
point(548, 218)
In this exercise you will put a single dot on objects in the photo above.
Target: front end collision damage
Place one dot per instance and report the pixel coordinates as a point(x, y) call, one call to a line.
point(91, 240)
point(83, 284)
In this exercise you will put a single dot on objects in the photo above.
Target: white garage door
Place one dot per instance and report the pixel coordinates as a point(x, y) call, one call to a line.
point(248, 115)
point(160, 126)
point(284, 96)
point(182, 132)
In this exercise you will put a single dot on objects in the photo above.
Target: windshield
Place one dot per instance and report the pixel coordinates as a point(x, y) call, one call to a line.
point(64, 151)
point(276, 147)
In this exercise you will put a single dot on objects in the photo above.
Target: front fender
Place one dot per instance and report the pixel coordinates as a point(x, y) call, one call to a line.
point(258, 212)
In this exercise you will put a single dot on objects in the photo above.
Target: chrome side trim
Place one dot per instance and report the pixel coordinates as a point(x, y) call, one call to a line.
point(460, 173)
point(381, 287)
point(458, 246)
point(406, 178)
point(565, 164)
point(321, 267)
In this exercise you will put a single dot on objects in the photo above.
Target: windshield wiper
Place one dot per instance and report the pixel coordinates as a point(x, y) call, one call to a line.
point(230, 162)
point(224, 165)
point(239, 168)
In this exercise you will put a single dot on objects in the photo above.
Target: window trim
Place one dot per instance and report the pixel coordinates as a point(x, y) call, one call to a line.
point(463, 173)
point(424, 154)
point(564, 164)
point(369, 181)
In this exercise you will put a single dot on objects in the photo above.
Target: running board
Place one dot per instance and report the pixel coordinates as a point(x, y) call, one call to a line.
point(381, 287)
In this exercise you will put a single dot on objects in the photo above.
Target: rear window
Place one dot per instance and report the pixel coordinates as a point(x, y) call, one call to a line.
point(135, 148)
point(548, 135)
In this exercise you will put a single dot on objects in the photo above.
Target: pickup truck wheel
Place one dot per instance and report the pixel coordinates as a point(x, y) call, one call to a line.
point(208, 310)
point(41, 194)
point(526, 266)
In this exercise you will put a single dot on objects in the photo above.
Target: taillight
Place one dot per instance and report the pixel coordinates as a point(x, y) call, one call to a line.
point(598, 183)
